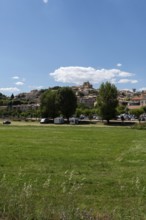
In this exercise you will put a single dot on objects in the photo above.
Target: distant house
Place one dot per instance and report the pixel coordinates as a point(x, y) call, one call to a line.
point(26, 107)
point(137, 102)
point(88, 101)
point(86, 94)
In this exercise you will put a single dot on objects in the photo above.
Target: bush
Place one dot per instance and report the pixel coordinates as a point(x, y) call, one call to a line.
point(140, 126)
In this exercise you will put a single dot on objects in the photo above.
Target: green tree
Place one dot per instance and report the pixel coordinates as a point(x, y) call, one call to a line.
point(107, 101)
point(49, 107)
point(2, 96)
point(144, 108)
point(136, 112)
point(12, 96)
point(121, 109)
point(67, 101)
point(79, 111)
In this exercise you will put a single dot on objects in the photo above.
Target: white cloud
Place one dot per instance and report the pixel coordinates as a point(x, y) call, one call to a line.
point(19, 83)
point(125, 74)
point(23, 79)
point(45, 1)
point(127, 81)
point(142, 89)
point(127, 90)
point(10, 89)
point(113, 81)
point(36, 87)
point(78, 75)
point(15, 77)
point(119, 65)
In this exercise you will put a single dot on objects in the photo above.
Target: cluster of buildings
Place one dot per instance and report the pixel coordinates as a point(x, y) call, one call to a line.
point(132, 99)
point(137, 101)
point(86, 95)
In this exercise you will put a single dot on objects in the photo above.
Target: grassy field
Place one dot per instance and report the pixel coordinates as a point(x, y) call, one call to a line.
point(72, 172)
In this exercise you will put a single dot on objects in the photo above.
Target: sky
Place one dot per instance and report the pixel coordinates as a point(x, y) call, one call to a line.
point(46, 43)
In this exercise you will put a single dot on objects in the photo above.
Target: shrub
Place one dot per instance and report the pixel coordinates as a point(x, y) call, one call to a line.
point(140, 126)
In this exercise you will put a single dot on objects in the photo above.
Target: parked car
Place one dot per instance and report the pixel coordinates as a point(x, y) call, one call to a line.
point(44, 121)
point(6, 122)
point(125, 117)
point(82, 116)
point(73, 120)
point(98, 118)
point(142, 117)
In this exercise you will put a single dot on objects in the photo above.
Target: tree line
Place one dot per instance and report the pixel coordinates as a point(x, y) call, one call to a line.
point(62, 101)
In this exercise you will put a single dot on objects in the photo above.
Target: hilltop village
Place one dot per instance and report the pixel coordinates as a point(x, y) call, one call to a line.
point(86, 95)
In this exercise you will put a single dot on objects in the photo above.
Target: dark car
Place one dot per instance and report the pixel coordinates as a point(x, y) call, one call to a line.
point(7, 122)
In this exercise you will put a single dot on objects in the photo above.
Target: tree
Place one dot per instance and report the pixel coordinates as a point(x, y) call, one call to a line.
point(136, 112)
point(121, 109)
point(144, 108)
point(2, 96)
point(12, 96)
point(49, 106)
point(107, 101)
point(67, 101)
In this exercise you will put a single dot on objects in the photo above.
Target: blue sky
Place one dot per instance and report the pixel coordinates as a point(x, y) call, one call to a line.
point(44, 43)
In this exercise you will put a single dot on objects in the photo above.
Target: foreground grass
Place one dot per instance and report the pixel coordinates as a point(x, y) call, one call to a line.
point(70, 172)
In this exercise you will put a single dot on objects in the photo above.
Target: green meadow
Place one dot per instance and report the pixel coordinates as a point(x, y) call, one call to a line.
point(72, 172)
